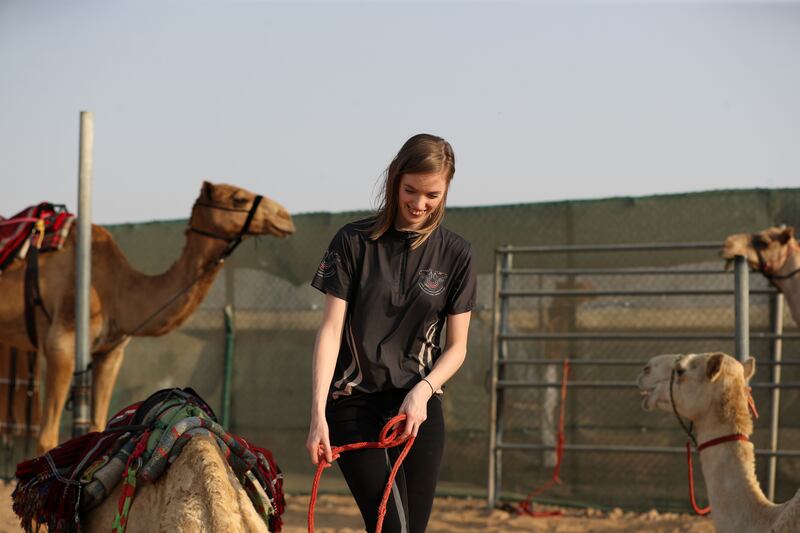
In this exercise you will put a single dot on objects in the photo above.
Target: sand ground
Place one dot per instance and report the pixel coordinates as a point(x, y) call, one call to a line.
point(339, 514)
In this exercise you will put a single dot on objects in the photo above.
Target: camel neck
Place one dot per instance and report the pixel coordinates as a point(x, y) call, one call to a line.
point(790, 287)
point(162, 302)
point(735, 496)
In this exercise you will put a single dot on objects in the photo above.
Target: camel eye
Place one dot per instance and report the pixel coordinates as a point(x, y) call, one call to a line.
point(239, 202)
point(760, 241)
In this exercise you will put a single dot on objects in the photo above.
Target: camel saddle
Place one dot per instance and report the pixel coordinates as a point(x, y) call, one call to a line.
point(19, 233)
point(37, 229)
point(138, 445)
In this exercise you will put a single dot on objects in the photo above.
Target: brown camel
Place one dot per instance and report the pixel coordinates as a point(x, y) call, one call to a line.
point(773, 252)
point(125, 302)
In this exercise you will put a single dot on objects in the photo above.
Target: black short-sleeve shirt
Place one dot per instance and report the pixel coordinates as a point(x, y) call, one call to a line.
point(398, 301)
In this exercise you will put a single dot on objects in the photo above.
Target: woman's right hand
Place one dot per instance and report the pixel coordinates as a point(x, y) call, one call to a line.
point(318, 440)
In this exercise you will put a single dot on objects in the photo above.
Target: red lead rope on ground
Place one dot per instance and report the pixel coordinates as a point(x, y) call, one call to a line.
point(389, 438)
point(526, 507)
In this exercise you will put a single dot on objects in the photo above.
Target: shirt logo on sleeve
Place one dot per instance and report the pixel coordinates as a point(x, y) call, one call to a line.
point(432, 282)
point(327, 267)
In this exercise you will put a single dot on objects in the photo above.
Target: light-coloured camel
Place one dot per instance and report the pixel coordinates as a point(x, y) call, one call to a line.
point(125, 302)
point(198, 493)
point(710, 389)
point(773, 252)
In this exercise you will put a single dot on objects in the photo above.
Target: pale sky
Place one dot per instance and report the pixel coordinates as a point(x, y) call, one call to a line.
point(307, 102)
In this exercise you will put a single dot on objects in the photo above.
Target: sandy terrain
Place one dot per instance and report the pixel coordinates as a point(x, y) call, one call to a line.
point(339, 514)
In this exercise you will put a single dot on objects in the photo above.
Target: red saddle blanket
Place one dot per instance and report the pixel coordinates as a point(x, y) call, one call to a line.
point(20, 231)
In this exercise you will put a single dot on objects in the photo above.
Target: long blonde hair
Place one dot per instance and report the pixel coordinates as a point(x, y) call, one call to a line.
point(421, 154)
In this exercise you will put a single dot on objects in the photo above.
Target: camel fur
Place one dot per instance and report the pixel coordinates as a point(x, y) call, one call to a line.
point(198, 493)
point(124, 302)
point(778, 249)
point(711, 390)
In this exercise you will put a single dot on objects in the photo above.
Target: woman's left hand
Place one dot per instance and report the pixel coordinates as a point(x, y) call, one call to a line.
point(415, 407)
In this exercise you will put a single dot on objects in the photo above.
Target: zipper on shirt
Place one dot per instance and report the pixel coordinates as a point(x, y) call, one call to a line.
point(404, 265)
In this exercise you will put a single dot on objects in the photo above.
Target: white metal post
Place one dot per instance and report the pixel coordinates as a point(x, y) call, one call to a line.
point(81, 388)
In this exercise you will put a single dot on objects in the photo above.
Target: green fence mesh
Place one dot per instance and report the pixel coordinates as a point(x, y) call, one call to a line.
point(277, 313)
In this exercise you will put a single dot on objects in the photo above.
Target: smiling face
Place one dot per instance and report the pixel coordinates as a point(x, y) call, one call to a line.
point(418, 198)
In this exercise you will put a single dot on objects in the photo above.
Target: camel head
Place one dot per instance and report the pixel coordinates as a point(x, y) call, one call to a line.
point(222, 210)
point(707, 384)
point(657, 370)
point(765, 251)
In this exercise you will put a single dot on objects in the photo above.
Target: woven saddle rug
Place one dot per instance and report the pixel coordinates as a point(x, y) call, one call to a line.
point(23, 229)
point(138, 445)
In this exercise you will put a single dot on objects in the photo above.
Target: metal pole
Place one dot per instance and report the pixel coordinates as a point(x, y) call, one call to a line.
point(491, 490)
point(230, 334)
point(501, 371)
point(774, 420)
point(742, 307)
point(81, 388)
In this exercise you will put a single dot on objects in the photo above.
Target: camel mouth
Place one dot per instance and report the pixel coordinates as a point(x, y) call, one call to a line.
point(728, 263)
point(282, 233)
point(645, 394)
point(280, 228)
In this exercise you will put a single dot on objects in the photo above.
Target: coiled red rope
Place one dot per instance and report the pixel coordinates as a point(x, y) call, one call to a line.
point(526, 506)
point(390, 436)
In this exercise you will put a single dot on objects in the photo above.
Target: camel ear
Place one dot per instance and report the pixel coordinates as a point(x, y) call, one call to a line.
point(714, 366)
point(786, 235)
point(749, 368)
point(207, 190)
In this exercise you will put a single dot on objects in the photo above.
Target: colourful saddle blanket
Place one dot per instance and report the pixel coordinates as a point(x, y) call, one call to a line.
point(20, 231)
point(138, 445)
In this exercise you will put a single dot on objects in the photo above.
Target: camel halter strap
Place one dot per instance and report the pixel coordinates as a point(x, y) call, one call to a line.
point(687, 429)
point(233, 242)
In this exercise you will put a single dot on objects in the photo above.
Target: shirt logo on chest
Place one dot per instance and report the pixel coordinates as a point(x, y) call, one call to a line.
point(432, 282)
point(327, 267)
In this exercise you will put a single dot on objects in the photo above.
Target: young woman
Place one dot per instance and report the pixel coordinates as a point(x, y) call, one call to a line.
point(391, 282)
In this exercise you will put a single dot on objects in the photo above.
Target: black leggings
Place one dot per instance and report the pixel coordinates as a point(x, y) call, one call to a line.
point(366, 471)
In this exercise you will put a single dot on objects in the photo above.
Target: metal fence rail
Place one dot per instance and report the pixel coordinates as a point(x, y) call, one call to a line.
point(503, 337)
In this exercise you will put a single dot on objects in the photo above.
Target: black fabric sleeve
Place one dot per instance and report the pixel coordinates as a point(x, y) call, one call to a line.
point(335, 272)
point(462, 292)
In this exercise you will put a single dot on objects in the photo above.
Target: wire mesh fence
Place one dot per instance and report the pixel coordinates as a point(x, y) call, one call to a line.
point(607, 322)
point(276, 314)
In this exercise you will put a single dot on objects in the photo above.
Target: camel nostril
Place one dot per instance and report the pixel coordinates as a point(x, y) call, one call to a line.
point(646, 370)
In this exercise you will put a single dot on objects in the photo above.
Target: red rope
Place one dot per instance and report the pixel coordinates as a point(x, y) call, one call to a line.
point(697, 509)
point(526, 507)
point(727, 438)
point(390, 437)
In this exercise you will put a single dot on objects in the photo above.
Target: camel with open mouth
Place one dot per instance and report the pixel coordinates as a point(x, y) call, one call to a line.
point(710, 390)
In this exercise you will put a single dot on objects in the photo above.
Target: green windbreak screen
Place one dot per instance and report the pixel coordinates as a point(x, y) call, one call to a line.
point(277, 313)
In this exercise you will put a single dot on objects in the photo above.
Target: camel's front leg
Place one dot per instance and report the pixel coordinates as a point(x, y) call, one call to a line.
point(105, 368)
point(59, 353)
